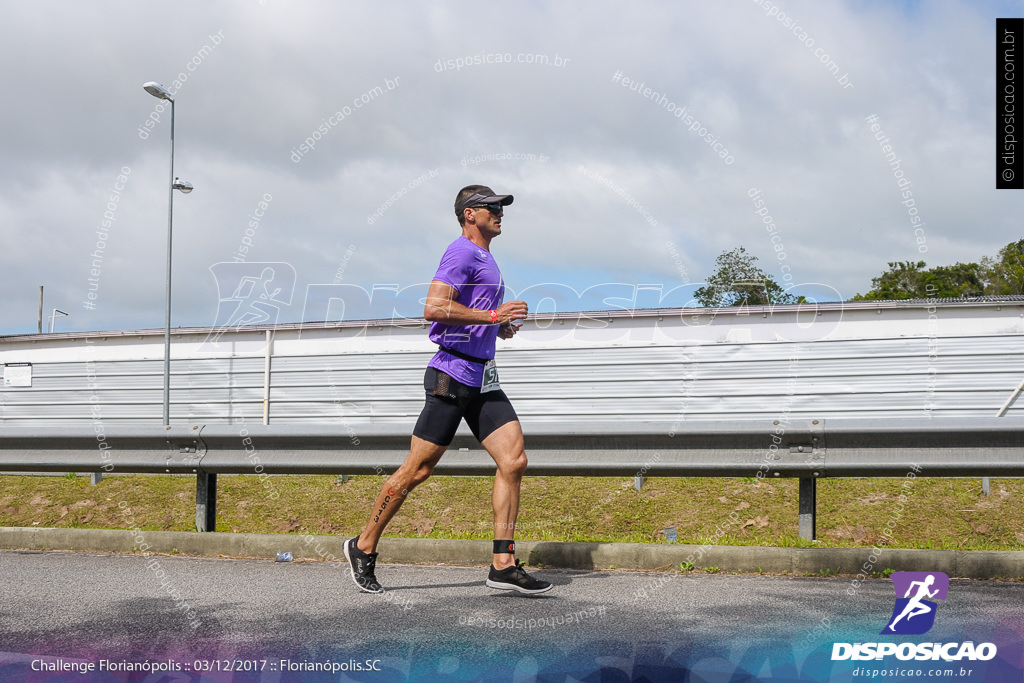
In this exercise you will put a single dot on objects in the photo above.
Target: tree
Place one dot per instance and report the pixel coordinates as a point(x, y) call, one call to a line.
point(993, 277)
point(908, 280)
point(739, 281)
point(1005, 276)
point(901, 281)
point(955, 281)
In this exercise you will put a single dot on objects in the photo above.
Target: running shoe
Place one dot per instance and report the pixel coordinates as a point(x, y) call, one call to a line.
point(515, 578)
point(362, 567)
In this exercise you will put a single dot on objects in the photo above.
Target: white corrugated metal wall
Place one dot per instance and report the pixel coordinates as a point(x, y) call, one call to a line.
point(861, 360)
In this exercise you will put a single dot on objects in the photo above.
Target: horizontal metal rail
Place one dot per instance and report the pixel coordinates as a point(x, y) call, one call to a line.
point(952, 447)
point(807, 449)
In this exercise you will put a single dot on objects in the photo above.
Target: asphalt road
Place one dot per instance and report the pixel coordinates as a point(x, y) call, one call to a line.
point(442, 623)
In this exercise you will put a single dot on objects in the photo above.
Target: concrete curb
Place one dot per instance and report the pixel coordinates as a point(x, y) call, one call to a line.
point(971, 564)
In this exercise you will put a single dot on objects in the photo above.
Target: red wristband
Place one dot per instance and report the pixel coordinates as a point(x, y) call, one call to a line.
point(494, 316)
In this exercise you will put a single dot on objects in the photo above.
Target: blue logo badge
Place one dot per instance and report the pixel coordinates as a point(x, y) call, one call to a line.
point(914, 612)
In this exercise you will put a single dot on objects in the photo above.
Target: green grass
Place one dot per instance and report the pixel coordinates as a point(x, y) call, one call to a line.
point(939, 513)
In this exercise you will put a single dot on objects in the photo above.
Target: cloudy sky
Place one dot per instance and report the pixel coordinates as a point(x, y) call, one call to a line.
point(584, 110)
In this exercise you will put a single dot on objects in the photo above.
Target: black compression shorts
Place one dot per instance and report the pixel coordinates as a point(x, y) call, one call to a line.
point(449, 401)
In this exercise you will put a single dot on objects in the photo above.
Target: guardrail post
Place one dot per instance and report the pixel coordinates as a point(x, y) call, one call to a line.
point(206, 501)
point(808, 507)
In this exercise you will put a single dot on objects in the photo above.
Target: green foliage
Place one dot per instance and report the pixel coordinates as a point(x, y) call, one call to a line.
point(1006, 276)
point(912, 280)
point(952, 282)
point(945, 513)
point(909, 280)
point(739, 281)
point(901, 281)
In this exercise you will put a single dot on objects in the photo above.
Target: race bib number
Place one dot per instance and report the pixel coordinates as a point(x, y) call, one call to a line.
point(490, 382)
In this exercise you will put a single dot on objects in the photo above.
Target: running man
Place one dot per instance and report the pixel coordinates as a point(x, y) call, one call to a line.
point(255, 304)
point(465, 309)
point(915, 607)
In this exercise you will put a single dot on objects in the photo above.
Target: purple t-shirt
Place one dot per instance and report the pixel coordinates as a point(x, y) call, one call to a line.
point(471, 270)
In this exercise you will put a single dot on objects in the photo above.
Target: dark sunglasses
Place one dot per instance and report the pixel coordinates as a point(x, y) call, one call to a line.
point(493, 208)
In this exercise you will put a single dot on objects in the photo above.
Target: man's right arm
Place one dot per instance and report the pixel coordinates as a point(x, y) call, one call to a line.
point(441, 307)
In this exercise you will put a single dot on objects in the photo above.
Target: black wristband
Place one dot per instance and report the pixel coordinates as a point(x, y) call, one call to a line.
point(504, 547)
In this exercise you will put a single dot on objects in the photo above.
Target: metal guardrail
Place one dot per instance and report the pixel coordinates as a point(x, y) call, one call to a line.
point(806, 449)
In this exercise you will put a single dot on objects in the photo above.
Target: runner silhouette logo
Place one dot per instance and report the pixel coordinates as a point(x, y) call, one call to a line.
point(914, 612)
point(248, 293)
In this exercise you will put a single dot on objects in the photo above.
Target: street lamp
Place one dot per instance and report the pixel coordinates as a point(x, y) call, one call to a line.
point(160, 92)
point(53, 317)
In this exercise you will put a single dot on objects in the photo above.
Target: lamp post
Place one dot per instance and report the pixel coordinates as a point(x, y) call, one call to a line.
point(53, 317)
point(160, 92)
